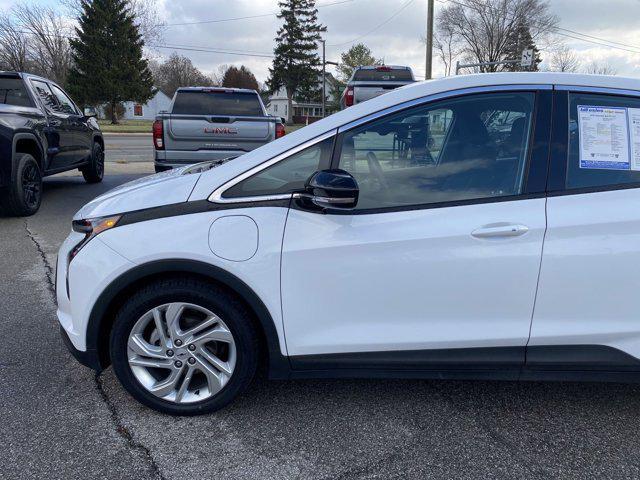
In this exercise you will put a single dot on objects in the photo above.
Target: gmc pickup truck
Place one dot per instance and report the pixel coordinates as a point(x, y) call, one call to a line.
point(42, 132)
point(211, 123)
point(373, 81)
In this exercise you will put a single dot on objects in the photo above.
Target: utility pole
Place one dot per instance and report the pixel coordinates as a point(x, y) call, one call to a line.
point(429, 55)
point(324, 78)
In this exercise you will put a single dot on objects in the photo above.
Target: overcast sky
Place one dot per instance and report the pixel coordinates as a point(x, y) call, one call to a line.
point(398, 41)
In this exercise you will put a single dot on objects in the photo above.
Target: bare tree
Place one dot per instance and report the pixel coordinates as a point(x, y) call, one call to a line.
point(447, 48)
point(48, 39)
point(146, 14)
point(14, 45)
point(480, 30)
point(600, 68)
point(564, 59)
point(178, 71)
point(35, 39)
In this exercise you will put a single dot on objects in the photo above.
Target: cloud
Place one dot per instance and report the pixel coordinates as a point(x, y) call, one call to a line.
point(398, 41)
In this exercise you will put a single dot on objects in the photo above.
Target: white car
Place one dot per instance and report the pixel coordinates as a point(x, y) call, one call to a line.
point(478, 227)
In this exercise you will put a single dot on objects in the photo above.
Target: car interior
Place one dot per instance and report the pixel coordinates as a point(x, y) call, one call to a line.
point(470, 149)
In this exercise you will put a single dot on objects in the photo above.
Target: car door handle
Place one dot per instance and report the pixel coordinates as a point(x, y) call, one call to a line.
point(503, 230)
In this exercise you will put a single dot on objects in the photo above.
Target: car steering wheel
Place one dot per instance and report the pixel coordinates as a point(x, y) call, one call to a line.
point(376, 169)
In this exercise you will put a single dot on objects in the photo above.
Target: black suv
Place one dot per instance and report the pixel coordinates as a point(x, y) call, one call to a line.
point(42, 132)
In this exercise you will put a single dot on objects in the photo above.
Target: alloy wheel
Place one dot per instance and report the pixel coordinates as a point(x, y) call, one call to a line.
point(181, 352)
point(31, 185)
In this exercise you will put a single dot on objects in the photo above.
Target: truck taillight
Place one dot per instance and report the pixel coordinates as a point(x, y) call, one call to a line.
point(279, 130)
point(348, 97)
point(158, 135)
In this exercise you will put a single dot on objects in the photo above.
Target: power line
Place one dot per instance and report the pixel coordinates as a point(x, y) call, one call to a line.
point(248, 17)
point(212, 50)
point(394, 15)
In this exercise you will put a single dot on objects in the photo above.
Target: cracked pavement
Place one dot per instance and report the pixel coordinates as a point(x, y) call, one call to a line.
point(61, 421)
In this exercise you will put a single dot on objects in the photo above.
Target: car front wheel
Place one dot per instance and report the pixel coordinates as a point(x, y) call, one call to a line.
point(184, 347)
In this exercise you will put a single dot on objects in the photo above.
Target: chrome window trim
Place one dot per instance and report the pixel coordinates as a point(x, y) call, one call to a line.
point(442, 96)
point(217, 195)
point(597, 90)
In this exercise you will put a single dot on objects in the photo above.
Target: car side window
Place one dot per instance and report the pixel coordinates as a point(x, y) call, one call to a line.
point(286, 176)
point(470, 147)
point(65, 104)
point(602, 129)
point(46, 95)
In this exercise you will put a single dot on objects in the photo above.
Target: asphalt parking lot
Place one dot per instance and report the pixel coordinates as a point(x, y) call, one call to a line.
point(61, 421)
point(128, 147)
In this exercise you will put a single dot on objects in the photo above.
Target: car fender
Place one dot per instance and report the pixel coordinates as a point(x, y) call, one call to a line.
point(101, 316)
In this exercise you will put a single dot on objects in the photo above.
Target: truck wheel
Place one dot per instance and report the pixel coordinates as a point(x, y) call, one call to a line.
point(94, 172)
point(24, 194)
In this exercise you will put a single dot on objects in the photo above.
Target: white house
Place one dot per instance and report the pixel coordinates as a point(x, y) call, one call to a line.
point(302, 112)
point(146, 111)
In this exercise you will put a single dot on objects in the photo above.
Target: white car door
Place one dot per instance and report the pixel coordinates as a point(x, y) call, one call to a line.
point(438, 263)
point(588, 304)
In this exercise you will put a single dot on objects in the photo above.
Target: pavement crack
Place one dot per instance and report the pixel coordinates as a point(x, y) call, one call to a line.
point(49, 271)
point(124, 432)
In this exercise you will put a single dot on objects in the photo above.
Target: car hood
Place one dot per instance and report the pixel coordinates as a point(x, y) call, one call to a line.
point(173, 186)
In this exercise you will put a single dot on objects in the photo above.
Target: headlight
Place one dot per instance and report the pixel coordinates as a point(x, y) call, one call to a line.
point(90, 228)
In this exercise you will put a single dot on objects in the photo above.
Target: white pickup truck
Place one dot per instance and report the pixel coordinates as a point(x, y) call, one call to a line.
point(211, 123)
point(372, 81)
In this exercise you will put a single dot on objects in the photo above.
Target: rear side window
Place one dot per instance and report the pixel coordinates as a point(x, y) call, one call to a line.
point(217, 103)
point(13, 92)
point(604, 140)
point(382, 74)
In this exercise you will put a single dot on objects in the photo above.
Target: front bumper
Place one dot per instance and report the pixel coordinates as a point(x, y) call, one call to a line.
point(90, 358)
point(78, 286)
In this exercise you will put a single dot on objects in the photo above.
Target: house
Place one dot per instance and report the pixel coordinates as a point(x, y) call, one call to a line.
point(303, 112)
point(146, 111)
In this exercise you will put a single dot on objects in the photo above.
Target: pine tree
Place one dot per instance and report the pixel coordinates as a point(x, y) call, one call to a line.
point(107, 56)
point(518, 40)
point(296, 65)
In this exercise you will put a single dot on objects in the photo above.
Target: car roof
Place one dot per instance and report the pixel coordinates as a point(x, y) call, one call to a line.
point(218, 89)
point(408, 93)
point(24, 75)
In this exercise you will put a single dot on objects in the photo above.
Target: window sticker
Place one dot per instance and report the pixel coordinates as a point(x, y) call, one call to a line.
point(604, 138)
point(634, 131)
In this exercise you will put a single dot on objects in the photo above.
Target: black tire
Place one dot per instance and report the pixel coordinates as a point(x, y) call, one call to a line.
point(212, 297)
point(23, 196)
point(94, 172)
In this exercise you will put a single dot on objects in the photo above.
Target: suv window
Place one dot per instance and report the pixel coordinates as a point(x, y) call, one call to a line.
point(604, 134)
point(65, 103)
point(45, 94)
point(220, 102)
point(459, 149)
point(286, 176)
point(13, 92)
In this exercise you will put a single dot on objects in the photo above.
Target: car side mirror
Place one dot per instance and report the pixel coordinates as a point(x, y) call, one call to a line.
point(332, 189)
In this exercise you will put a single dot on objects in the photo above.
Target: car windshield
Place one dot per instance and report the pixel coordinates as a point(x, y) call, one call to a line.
point(205, 102)
point(382, 73)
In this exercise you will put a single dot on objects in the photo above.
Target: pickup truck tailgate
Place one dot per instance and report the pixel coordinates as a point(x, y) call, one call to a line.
point(211, 132)
point(366, 90)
